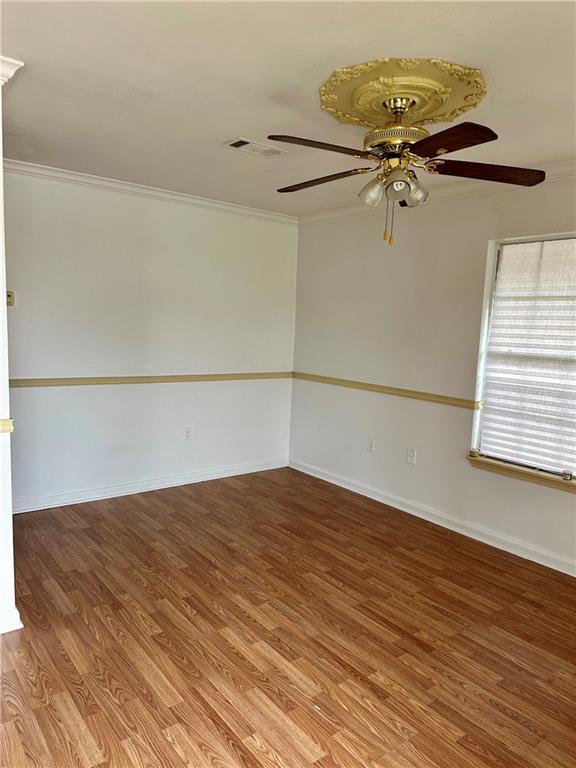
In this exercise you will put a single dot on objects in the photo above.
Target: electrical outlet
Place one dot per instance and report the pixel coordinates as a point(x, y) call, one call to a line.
point(188, 433)
point(371, 444)
point(410, 457)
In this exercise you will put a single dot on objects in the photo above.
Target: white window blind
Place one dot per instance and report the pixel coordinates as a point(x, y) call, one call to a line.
point(529, 414)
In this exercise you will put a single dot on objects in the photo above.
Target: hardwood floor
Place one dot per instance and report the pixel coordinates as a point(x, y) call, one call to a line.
point(276, 621)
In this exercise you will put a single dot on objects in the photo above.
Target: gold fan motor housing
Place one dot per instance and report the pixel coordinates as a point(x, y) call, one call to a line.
point(394, 136)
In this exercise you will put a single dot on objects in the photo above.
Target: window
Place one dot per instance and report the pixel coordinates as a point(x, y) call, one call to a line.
point(527, 375)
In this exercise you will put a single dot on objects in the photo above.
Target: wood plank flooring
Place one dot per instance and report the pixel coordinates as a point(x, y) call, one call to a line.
point(275, 621)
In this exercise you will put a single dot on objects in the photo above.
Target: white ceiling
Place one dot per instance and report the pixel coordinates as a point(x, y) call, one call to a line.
point(147, 92)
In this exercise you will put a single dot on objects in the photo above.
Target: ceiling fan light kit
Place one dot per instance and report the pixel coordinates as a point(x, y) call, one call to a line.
point(394, 98)
point(397, 185)
point(418, 193)
point(373, 192)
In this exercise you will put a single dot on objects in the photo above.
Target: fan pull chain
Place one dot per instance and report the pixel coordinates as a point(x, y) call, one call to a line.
point(391, 236)
point(386, 233)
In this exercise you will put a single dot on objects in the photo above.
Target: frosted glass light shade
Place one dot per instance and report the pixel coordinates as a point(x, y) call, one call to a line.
point(397, 185)
point(373, 192)
point(418, 193)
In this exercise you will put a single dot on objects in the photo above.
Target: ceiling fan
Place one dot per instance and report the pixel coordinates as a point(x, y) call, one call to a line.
point(399, 146)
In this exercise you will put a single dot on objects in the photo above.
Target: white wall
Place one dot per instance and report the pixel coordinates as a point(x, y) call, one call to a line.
point(409, 316)
point(115, 284)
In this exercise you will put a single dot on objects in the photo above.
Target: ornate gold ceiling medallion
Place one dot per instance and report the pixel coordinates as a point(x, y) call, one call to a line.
point(394, 98)
point(438, 91)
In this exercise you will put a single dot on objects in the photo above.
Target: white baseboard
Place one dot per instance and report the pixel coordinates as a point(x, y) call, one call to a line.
point(10, 621)
point(480, 533)
point(140, 486)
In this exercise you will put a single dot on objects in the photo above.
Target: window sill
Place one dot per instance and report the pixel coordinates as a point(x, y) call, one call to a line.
point(523, 473)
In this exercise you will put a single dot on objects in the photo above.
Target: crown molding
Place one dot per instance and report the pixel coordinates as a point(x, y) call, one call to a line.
point(8, 67)
point(554, 172)
point(464, 189)
point(20, 168)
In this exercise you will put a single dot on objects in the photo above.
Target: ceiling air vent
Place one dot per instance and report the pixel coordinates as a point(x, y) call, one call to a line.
point(253, 147)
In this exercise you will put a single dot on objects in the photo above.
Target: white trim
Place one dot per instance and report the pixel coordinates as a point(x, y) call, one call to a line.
point(19, 168)
point(458, 191)
point(539, 238)
point(487, 300)
point(10, 621)
point(472, 530)
point(141, 486)
point(442, 194)
point(7, 68)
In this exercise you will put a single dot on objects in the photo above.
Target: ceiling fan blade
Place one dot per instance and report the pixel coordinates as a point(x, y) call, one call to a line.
point(321, 145)
point(506, 174)
point(324, 179)
point(452, 139)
